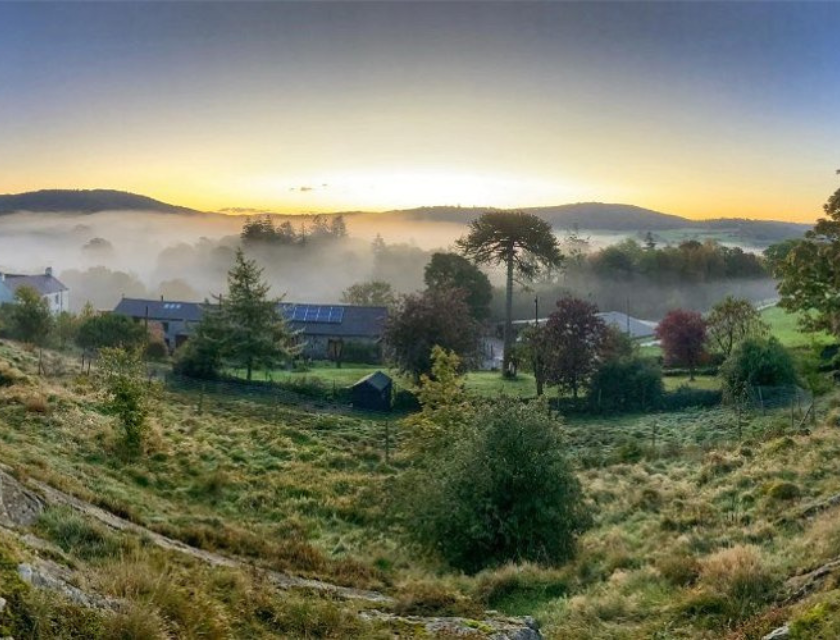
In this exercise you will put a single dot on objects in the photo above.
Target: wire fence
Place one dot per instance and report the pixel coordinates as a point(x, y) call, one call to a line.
point(593, 440)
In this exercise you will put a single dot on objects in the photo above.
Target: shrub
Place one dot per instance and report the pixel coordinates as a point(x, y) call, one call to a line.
point(757, 362)
point(434, 599)
point(36, 404)
point(502, 492)
point(680, 568)
point(361, 352)
point(121, 376)
point(740, 577)
point(627, 384)
point(782, 491)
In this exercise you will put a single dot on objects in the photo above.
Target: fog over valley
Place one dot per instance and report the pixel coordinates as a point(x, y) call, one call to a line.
point(104, 255)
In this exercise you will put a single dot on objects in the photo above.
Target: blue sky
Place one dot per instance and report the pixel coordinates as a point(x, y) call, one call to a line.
point(702, 109)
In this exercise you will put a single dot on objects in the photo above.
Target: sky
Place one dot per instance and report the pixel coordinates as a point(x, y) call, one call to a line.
point(703, 110)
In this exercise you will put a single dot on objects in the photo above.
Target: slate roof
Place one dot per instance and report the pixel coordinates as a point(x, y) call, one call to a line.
point(43, 284)
point(356, 321)
point(159, 309)
point(637, 328)
point(377, 380)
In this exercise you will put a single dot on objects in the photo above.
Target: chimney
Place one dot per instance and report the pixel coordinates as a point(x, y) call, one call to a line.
point(48, 272)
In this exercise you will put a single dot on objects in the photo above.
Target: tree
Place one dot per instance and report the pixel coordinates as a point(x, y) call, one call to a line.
point(375, 293)
point(202, 356)
point(110, 330)
point(683, 337)
point(523, 243)
point(66, 328)
point(757, 361)
point(436, 317)
point(256, 335)
point(446, 408)
point(574, 338)
point(533, 347)
point(452, 271)
point(731, 321)
point(503, 492)
point(121, 375)
point(32, 321)
point(809, 272)
point(338, 227)
point(627, 383)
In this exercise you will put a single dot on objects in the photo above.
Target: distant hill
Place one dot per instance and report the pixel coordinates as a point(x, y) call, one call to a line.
point(83, 201)
point(623, 218)
point(589, 216)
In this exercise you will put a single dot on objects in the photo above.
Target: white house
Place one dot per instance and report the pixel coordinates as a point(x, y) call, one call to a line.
point(51, 289)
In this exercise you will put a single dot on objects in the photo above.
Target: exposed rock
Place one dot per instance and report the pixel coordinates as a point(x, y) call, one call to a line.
point(2, 604)
point(818, 507)
point(782, 633)
point(500, 628)
point(49, 575)
point(19, 507)
point(801, 586)
point(52, 577)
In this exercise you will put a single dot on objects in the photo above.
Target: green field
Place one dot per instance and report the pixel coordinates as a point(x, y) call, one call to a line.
point(785, 327)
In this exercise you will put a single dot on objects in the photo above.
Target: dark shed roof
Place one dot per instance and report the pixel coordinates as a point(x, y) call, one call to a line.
point(159, 309)
point(377, 380)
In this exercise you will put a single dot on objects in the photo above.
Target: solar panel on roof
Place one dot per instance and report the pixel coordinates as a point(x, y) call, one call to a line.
point(327, 314)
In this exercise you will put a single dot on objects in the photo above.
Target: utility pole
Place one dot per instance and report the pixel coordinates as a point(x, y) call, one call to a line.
point(536, 311)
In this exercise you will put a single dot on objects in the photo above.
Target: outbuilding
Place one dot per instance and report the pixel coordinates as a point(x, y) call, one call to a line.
point(373, 392)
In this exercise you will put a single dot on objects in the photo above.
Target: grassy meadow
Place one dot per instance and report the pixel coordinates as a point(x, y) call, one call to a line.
point(700, 526)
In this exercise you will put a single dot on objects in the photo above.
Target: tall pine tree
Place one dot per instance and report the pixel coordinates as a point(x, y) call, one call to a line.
point(255, 335)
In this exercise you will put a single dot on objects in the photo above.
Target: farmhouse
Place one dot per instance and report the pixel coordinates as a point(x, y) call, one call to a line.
point(176, 319)
point(46, 284)
point(326, 331)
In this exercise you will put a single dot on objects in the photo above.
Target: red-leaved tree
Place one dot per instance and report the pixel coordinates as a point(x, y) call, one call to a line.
point(436, 317)
point(573, 339)
point(683, 337)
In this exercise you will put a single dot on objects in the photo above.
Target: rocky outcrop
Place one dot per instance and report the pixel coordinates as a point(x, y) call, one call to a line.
point(782, 633)
point(496, 628)
point(19, 507)
point(44, 574)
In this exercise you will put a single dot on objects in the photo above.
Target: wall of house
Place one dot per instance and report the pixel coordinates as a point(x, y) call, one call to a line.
point(316, 347)
point(58, 302)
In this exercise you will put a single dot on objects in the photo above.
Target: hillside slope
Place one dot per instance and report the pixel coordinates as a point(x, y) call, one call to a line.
point(83, 201)
point(702, 529)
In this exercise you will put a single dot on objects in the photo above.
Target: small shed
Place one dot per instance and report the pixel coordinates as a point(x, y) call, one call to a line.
point(373, 392)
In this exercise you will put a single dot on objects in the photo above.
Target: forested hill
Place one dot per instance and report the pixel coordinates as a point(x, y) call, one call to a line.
point(598, 216)
point(586, 215)
point(83, 201)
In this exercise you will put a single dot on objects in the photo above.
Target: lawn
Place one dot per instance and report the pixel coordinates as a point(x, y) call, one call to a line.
point(785, 327)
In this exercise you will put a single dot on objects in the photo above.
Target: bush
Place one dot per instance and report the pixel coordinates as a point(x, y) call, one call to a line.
point(740, 577)
point(361, 352)
point(757, 362)
point(627, 384)
point(686, 397)
point(781, 490)
point(502, 492)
